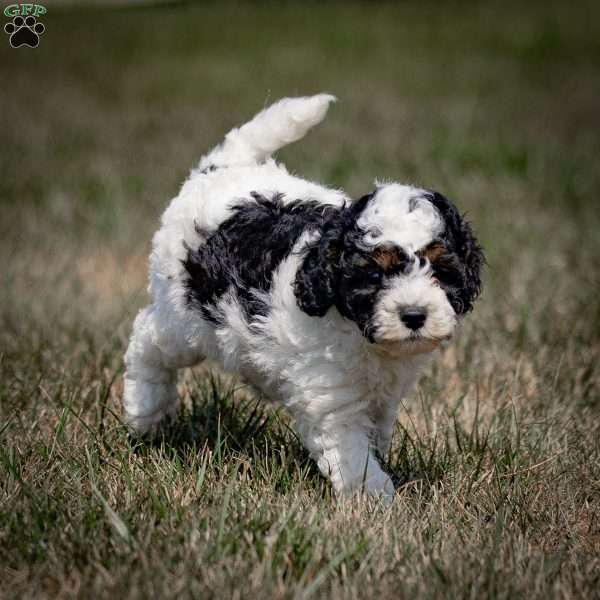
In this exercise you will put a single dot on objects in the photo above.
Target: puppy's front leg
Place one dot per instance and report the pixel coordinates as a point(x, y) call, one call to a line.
point(342, 448)
point(384, 415)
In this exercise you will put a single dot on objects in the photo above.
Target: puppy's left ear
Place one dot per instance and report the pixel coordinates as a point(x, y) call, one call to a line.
point(464, 243)
point(473, 259)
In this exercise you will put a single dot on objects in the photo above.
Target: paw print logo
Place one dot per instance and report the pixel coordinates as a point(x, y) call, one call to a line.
point(24, 32)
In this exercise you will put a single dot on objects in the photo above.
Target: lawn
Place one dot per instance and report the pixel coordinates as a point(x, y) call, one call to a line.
point(497, 454)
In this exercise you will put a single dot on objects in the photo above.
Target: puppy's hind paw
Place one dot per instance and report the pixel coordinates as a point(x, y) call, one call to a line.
point(146, 404)
point(150, 426)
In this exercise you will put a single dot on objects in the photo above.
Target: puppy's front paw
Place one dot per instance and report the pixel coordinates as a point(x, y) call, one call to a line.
point(381, 487)
point(378, 486)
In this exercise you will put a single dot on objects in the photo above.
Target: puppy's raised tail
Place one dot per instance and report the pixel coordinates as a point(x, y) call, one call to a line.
point(280, 124)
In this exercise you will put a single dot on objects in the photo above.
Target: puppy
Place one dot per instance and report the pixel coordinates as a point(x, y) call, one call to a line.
point(327, 306)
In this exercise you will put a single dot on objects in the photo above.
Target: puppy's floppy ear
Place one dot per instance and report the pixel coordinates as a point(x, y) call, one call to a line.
point(464, 243)
point(316, 279)
point(472, 255)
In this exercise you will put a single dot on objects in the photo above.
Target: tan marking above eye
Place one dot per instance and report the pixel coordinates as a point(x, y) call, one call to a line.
point(433, 252)
point(387, 257)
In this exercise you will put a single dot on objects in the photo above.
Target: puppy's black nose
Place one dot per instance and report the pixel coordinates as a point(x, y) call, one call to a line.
point(413, 318)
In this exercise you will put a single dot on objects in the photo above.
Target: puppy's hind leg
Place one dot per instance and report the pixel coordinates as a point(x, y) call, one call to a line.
point(151, 361)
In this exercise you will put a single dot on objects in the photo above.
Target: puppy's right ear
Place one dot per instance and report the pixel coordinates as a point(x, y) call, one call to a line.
point(317, 277)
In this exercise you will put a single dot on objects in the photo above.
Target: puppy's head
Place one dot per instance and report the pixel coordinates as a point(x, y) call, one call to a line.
point(400, 262)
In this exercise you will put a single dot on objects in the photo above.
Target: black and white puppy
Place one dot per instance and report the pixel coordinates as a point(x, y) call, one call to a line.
point(327, 306)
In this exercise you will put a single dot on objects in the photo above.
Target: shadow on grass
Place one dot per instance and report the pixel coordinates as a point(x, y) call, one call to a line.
point(232, 426)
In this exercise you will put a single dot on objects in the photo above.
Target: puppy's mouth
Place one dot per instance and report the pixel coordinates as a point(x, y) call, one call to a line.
point(414, 344)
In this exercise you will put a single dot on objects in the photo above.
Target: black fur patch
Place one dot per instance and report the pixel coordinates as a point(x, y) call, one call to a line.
point(245, 250)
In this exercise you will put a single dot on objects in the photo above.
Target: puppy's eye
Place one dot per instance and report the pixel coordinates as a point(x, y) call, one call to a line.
point(374, 276)
point(433, 253)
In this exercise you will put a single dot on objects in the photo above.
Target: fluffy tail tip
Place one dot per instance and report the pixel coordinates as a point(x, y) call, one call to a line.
point(313, 108)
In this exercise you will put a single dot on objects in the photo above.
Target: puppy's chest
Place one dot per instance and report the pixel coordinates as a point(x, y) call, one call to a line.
point(383, 378)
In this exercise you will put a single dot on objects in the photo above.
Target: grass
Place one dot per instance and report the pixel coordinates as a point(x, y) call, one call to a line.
point(497, 455)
